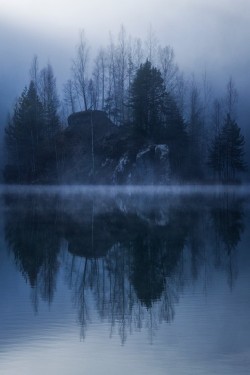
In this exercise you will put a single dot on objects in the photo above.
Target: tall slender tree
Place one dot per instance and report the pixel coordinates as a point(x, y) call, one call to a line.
point(80, 73)
point(51, 122)
point(226, 154)
point(70, 97)
point(174, 134)
point(168, 67)
point(24, 136)
point(196, 152)
point(50, 101)
point(147, 99)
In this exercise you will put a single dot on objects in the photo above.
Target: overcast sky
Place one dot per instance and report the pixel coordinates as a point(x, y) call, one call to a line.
point(211, 35)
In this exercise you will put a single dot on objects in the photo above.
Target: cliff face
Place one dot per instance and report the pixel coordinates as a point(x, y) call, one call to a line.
point(97, 151)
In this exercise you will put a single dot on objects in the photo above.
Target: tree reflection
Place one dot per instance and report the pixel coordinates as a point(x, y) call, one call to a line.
point(134, 255)
point(228, 223)
point(33, 239)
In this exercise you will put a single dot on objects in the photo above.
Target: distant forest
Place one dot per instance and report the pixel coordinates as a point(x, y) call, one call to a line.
point(156, 116)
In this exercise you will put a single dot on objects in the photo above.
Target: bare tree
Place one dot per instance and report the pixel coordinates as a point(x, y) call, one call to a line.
point(34, 71)
point(217, 116)
point(137, 53)
point(122, 64)
point(231, 98)
point(70, 96)
point(103, 72)
point(196, 133)
point(118, 57)
point(168, 67)
point(180, 94)
point(111, 99)
point(151, 45)
point(206, 98)
point(80, 69)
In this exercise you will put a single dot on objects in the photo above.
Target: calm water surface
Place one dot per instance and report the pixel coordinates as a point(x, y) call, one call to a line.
point(126, 281)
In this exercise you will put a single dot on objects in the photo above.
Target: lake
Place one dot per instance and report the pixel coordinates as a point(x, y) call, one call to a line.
point(128, 280)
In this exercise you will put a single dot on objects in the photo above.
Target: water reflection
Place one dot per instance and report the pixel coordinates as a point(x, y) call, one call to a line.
point(130, 254)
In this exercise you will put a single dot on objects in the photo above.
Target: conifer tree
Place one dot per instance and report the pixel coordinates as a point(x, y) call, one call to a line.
point(147, 99)
point(24, 136)
point(51, 124)
point(50, 102)
point(226, 154)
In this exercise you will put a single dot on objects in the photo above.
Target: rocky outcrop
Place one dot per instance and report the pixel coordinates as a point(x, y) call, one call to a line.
point(150, 165)
point(91, 123)
point(97, 151)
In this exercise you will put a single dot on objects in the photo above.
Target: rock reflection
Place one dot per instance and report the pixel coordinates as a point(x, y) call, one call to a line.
point(133, 254)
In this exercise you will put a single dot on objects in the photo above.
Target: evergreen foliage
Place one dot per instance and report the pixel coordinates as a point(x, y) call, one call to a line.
point(50, 101)
point(147, 99)
point(141, 101)
point(24, 136)
point(156, 115)
point(31, 134)
point(226, 154)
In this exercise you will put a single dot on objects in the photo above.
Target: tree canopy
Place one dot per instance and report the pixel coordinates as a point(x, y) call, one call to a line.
point(145, 113)
point(24, 134)
point(226, 154)
point(31, 131)
point(147, 99)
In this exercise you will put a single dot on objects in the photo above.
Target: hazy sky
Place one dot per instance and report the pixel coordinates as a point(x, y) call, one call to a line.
point(205, 34)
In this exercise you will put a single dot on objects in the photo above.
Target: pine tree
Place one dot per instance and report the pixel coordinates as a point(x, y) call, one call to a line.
point(51, 126)
point(147, 99)
point(50, 102)
point(156, 115)
point(226, 154)
point(24, 135)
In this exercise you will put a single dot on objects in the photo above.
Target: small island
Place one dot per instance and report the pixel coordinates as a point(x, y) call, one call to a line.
point(144, 139)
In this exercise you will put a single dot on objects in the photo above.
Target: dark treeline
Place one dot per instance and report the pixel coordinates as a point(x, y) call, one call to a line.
point(154, 110)
point(134, 260)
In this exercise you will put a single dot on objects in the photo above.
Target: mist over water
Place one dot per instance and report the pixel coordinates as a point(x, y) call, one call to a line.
point(113, 190)
point(146, 279)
